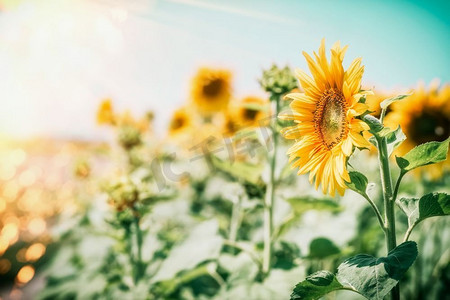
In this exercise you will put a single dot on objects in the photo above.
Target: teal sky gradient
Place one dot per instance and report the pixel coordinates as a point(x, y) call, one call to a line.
point(64, 56)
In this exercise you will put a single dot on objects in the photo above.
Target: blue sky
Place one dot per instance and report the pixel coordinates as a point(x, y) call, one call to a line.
point(59, 58)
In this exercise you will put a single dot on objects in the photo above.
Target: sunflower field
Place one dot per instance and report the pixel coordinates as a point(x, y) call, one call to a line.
point(244, 178)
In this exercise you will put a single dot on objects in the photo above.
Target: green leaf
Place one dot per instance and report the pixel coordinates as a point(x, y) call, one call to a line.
point(375, 277)
point(429, 205)
point(302, 204)
point(316, 286)
point(242, 170)
point(374, 124)
point(385, 103)
point(422, 155)
point(394, 139)
point(358, 183)
point(321, 248)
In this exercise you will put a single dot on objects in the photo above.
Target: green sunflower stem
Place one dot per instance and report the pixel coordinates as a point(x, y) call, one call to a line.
point(138, 272)
point(389, 201)
point(270, 193)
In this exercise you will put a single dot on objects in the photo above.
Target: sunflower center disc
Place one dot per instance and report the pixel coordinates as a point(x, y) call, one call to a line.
point(330, 117)
point(213, 88)
point(177, 123)
point(250, 114)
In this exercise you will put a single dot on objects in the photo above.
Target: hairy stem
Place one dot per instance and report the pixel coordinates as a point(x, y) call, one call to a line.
point(270, 194)
point(389, 201)
point(397, 185)
point(138, 261)
point(235, 219)
point(377, 212)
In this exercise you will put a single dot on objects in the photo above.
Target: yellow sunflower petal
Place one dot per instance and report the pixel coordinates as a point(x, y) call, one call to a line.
point(308, 84)
point(358, 140)
point(347, 147)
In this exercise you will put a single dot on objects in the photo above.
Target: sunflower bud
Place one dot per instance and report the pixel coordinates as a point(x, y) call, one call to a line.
point(129, 136)
point(278, 81)
point(122, 193)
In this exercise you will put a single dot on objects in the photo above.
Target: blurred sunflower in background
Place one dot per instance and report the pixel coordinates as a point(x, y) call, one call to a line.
point(231, 124)
point(253, 111)
point(250, 112)
point(424, 117)
point(327, 128)
point(211, 90)
point(105, 113)
point(180, 122)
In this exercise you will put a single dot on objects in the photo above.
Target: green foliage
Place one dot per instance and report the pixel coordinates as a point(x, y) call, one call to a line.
point(300, 205)
point(241, 170)
point(394, 139)
point(369, 276)
point(422, 155)
point(316, 286)
point(285, 254)
point(375, 125)
point(385, 103)
point(321, 248)
point(429, 205)
point(358, 183)
point(375, 277)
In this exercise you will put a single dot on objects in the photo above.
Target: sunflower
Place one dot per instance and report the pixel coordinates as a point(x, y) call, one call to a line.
point(231, 123)
point(211, 90)
point(105, 113)
point(327, 128)
point(424, 117)
point(252, 111)
point(180, 122)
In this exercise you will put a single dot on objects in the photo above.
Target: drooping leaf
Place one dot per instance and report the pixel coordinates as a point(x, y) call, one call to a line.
point(394, 139)
point(376, 277)
point(385, 103)
point(170, 285)
point(358, 182)
point(302, 204)
point(316, 286)
point(242, 170)
point(321, 248)
point(285, 255)
point(429, 205)
point(422, 155)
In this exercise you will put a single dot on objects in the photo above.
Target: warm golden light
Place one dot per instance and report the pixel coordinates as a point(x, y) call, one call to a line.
point(25, 274)
point(34, 252)
point(10, 232)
